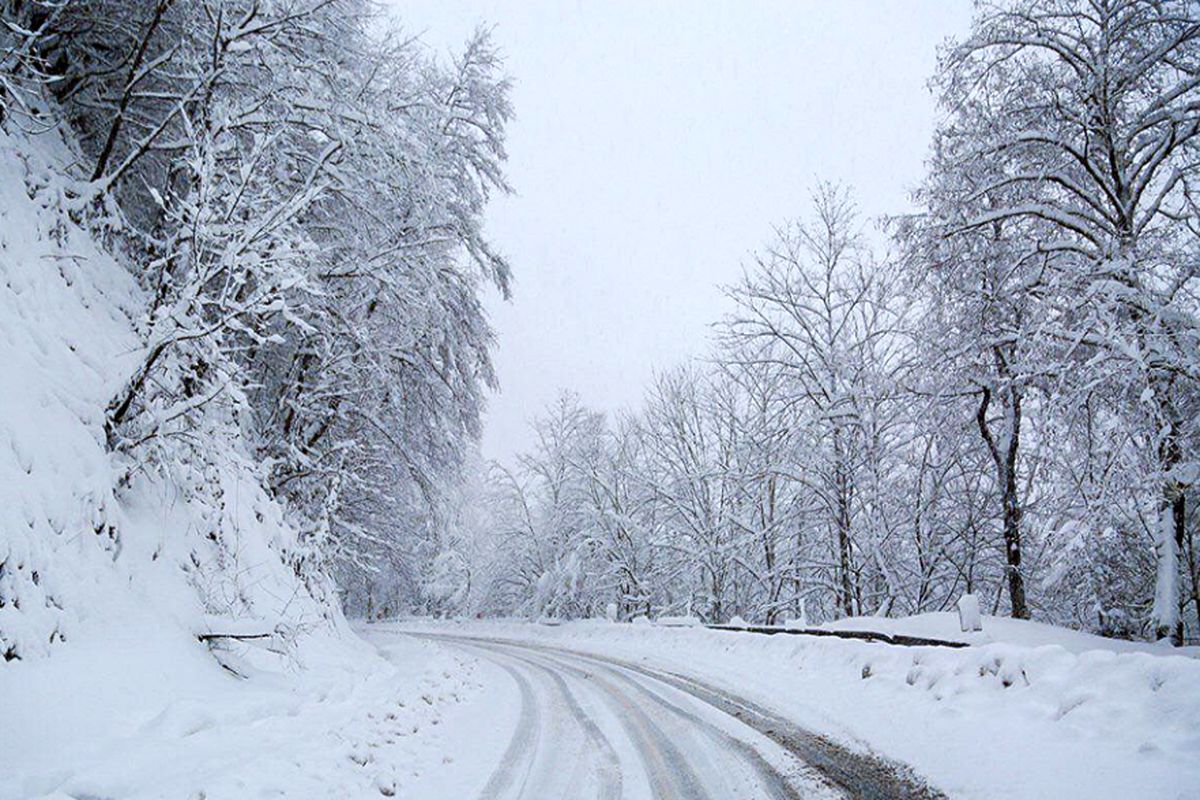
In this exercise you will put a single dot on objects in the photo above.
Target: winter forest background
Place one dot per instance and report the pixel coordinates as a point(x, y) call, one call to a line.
point(996, 393)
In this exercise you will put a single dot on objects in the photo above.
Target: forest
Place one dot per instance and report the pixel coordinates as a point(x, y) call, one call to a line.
point(298, 188)
point(995, 393)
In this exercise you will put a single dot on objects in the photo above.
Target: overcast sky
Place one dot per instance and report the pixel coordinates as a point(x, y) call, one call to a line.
point(655, 145)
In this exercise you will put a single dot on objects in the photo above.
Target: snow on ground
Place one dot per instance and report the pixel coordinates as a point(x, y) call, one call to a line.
point(124, 717)
point(999, 720)
point(111, 694)
point(944, 625)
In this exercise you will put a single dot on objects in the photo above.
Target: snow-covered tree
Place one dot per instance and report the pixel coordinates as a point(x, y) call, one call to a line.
point(816, 305)
point(300, 188)
point(1089, 124)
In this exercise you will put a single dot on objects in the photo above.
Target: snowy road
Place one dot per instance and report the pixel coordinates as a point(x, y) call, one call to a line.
point(590, 727)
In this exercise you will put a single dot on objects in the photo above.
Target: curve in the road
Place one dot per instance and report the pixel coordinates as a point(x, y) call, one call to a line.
point(856, 774)
point(669, 771)
point(681, 754)
point(772, 779)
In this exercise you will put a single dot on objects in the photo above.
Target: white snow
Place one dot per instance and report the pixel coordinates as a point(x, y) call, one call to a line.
point(969, 619)
point(107, 690)
point(134, 716)
point(945, 625)
point(74, 556)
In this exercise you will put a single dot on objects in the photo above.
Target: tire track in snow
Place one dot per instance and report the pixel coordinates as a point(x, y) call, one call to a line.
point(520, 749)
point(670, 773)
point(667, 770)
point(861, 775)
point(642, 712)
point(771, 779)
point(523, 745)
point(609, 770)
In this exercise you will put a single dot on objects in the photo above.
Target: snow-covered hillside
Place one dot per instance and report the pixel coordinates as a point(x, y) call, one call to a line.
point(106, 689)
point(83, 556)
point(209, 290)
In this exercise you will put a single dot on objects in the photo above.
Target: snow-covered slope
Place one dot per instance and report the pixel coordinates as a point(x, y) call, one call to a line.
point(105, 688)
point(65, 342)
point(77, 556)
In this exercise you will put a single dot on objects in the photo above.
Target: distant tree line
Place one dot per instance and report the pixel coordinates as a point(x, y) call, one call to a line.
point(1004, 402)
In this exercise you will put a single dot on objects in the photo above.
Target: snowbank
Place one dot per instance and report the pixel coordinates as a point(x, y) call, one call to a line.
point(995, 720)
point(945, 625)
point(139, 719)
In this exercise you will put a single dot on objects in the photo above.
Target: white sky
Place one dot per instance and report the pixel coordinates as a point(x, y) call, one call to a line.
point(655, 145)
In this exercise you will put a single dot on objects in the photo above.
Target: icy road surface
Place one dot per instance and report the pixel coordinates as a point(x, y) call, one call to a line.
point(552, 723)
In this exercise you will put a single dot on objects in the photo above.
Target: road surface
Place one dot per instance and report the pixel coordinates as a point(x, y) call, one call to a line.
point(592, 727)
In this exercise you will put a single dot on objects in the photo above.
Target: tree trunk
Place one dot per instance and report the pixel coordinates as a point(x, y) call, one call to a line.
point(1171, 527)
point(1193, 573)
point(775, 582)
point(139, 56)
point(844, 554)
point(1012, 542)
point(1169, 541)
point(1004, 457)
